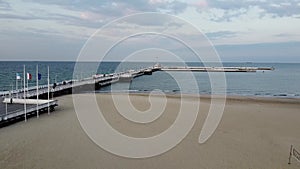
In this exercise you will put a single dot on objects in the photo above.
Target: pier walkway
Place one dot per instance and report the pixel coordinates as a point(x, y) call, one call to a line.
point(15, 110)
point(12, 112)
point(107, 79)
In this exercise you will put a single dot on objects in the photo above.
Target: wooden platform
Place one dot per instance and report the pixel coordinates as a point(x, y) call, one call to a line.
point(11, 112)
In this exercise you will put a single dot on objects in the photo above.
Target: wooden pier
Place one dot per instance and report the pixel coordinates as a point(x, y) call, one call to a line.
point(15, 111)
point(216, 69)
point(91, 84)
point(99, 80)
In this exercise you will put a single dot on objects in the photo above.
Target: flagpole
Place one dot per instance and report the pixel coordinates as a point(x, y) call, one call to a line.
point(17, 85)
point(48, 92)
point(37, 91)
point(6, 104)
point(27, 81)
point(25, 94)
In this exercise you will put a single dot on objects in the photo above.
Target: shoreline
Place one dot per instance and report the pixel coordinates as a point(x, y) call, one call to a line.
point(204, 94)
point(264, 99)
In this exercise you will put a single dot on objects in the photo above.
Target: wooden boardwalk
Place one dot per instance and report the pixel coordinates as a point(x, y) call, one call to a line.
point(95, 82)
point(12, 112)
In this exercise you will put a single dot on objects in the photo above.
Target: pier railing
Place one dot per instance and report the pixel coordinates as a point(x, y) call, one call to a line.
point(31, 109)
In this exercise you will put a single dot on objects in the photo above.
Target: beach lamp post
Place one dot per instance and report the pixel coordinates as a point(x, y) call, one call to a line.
point(38, 77)
point(5, 105)
point(24, 95)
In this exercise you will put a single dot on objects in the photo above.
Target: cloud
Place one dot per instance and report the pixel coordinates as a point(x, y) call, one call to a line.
point(120, 7)
point(33, 46)
point(174, 7)
point(91, 14)
point(4, 5)
point(260, 52)
point(31, 12)
point(220, 35)
point(282, 9)
point(223, 21)
point(147, 20)
point(227, 10)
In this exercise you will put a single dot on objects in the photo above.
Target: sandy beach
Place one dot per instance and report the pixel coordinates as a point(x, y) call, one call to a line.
point(254, 133)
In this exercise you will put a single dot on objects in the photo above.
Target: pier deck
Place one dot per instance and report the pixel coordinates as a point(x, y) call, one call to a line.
point(10, 112)
point(216, 69)
point(16, 110)
point(103, 80)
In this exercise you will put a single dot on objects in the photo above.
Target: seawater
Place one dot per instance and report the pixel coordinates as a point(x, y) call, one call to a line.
point(284, 81)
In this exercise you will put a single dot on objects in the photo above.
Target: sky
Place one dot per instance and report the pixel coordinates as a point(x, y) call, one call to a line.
point(239, 30)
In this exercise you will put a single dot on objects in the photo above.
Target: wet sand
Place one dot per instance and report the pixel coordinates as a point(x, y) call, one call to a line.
point(253, 133)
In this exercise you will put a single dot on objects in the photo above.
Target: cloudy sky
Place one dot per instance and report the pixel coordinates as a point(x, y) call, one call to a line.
point(240, 30)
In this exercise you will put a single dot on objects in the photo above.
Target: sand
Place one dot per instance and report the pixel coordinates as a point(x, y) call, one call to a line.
point(253, 133)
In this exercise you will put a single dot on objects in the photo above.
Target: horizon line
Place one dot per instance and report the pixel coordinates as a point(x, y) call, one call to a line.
point(145, 61)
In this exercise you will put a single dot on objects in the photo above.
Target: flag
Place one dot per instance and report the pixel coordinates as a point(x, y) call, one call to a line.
point(39, 76)
point(18, 77)
point(29, 76)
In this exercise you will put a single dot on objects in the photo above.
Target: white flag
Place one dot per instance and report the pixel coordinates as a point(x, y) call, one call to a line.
point(18, 76)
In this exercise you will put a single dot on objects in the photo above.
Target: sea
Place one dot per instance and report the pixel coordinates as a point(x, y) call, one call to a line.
point(283, 82)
